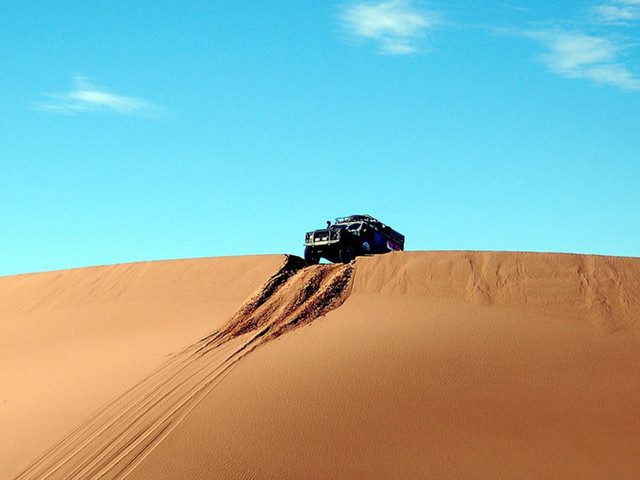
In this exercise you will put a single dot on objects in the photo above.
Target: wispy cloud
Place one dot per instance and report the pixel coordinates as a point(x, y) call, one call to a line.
point(578, 55)
point(395, 26)
point(618, 12)
point(86, 97)
point(594, 50)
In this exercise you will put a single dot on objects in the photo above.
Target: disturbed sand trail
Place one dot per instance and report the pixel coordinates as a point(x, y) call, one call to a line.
point(116, 439)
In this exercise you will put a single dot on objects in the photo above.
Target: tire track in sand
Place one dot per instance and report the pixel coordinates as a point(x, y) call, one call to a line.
point(111, 443)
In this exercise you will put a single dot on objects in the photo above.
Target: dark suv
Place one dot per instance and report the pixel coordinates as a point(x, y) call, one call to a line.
point(349, 237)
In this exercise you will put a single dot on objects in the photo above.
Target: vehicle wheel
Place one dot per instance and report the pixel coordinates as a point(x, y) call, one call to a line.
point(310, 256)
point(347, 254)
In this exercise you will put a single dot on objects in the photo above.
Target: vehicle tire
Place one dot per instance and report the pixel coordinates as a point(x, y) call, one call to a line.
point(347, 255)
point(311, 256)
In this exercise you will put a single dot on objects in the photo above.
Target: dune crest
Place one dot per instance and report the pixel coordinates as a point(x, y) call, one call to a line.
point(603, 290)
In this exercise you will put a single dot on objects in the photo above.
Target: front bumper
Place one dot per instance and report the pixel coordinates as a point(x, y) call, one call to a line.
point(322, 238)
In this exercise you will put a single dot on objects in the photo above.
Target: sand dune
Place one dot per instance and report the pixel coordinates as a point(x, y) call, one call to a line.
point(73, 340)
point(113, 442)
point(409, 365)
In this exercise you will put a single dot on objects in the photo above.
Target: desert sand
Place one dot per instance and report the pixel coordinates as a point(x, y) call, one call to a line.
point(406, 365)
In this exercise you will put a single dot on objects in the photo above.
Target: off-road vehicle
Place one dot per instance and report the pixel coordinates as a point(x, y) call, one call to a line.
point(349, 237)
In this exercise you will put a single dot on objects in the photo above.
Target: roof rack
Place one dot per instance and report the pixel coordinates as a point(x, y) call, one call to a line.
point(358, 218)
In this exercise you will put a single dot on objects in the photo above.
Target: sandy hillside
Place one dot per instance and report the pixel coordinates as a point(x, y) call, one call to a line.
point(421, 365)
point(72, 340)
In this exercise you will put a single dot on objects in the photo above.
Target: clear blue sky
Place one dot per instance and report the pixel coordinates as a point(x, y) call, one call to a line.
point(148, 130)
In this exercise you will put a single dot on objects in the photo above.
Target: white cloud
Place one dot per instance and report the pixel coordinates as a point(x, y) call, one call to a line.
point(395, 25)
point(85, 97)
point(578, 55)
point(618, 11)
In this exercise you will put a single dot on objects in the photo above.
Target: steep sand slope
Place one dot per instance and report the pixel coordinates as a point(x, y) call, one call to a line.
point(71, 341)
point(438, 365)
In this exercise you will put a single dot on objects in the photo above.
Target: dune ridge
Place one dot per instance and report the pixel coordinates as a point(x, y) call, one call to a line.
point(112, 443)
point(166, 280)
point(604, 290)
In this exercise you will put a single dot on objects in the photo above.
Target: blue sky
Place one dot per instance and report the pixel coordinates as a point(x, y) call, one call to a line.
point(134, 131)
